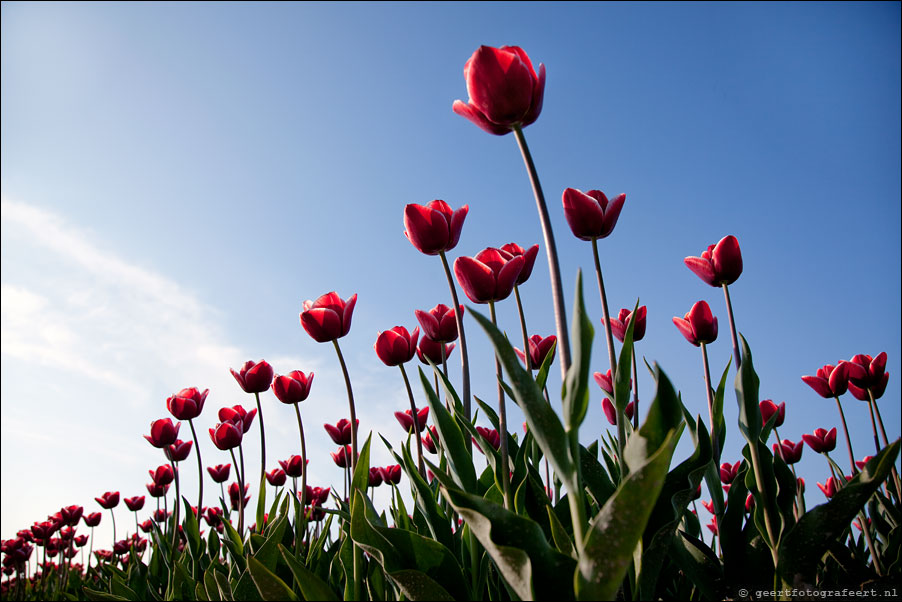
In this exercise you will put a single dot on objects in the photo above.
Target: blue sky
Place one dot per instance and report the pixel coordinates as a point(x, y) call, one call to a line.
point(178, 178)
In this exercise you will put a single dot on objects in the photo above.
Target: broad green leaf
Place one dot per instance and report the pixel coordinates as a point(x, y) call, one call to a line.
point(439, 524)
point(700, 564)
point(270, 586)
point(311, 586)
point(212, 589)
point(763, 502)
point(542, 374)
point(614, 533)
point(595, 478)
point(575, 402)
point(268, 553)
point(94, 594)
point(562, 540)
point(222, 584)
point(747, 395)
point(261, 505)
point(530, 567)
point(192, 530)
point(453, 441)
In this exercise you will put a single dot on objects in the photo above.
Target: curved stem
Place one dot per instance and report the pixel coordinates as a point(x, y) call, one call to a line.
point(502, 418)
point(736, 357)
point(200, 470)
point(262, 441)
point(528, 358)
point(715, 444)
point(416, 423)
point(297, 411)
point(177, 503)
point(621, 427)
point(895, 473)
point(240, 490)
point(113, 516)
point(873, 423)
point(344, 370)
point(464, 356)
point(635, 390)
point(554, 269)
point(445, 372)
point(845, 429)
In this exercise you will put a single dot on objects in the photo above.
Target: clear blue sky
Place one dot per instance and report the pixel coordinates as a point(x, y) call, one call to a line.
point(178, 178)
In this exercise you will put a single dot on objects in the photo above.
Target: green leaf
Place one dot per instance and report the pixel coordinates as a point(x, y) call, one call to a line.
point(595, 478)
point(562, 540)
point(439, 524)
point(700, 565)
point(94, 594)
point(261, 505)
point(530, 567)
point(575, 402)
point(222, 584)
point(542, 374)
point(212, 589)
point(268, 553)
point(541, 418)
point(720, 426)
point(270, 586)
point(311, 586)
point(624, 365)
point(614, 533)
point(452, 440)
point(192, 531)
point(213, 544)
point(804, 545)
point(747, 396)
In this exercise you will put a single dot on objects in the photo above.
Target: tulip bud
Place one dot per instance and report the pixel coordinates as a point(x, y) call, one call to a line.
point(590, 214)
point(254, 377)
point(328, 318)
point(396, 346)
point(433, 228)
point(163, 432)
point(699, 325)
point(720, 264)
point(293, 387)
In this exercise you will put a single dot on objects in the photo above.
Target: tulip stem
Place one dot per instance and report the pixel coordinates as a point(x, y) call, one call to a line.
point(297, 411)
point(736, 356)
point(621, 427)
point(526, 354)
point(240, 490)
point(344, 369)
point(873, 422)
point(445, 372)
point(262, 441)
point(715, 444)
point(175, 515)
point(845, 429)
point(554, 269)
point(502, 419)
point(200, 469)
point(464, 357)
point(113, 517)
point(895, 473)
point(416, 423)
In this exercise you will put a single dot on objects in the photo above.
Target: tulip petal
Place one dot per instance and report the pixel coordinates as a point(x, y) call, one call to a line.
point(500, 84)
point(476, 278)
point(347, 313)
point(477, 117)
point(820, 386)
point(701, 268)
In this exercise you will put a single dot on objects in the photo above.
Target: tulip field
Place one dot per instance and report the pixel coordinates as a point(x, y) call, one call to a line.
point(553, 508)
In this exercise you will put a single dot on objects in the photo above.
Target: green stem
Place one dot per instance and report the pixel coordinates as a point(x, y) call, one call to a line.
point(344, 370)
point(416, 423)
point(200, 468)
point(895, 473)
point(762, 490)
point(621, 427)
point(502, 419)
point(297, 411)
point(845, 428)
point(176, 513)
point(554, 270)
point(736, 357)
point(112, 516)
point(528, 359)
point(715, 444)
point(240, 490)
point(464, 357)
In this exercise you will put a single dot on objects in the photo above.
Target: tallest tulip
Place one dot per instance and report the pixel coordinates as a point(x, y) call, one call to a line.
point(504, 89)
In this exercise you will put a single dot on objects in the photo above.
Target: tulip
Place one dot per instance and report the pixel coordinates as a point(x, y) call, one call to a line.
point(163, 432)
point(72, 514)
point(375, 478)
point(254, 377)
point(512, 250)
point(396, 346)
point(590, 214)
point(157, 490)
point(276, 477)
point(429, 440)
point(134, 503)
point(81, 540)
point(822, 441)
point(867, 374)
point(108, 500)
point(342, 457)
point(789, 451)
point(829, 381)
point(178, 451)
point(539, 348)
point(391, 474)
point(490, 435)
point(226, 435)
point(622, 322)
point(187, 404)
point(92, 519)
point(406, 419)
point(610, 411)
point(293, 387)
point(829, 488)
point(213, 516)
point(729, 471)
point(439, 323)
point(236, 499)
point(238, 416)
point(340, 432)
point(434, 228)
point(294, 466)
point(328, 318)
point(769, 408)
point(220, 472)
point(699, 325)
point(431, 351)
point(504, 90)
point(489, 276)
point(606, 383)
point(720, 264)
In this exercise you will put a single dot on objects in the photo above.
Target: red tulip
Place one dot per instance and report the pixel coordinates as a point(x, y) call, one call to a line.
point(822, 440)
point(829, 381)
point(490, 276)
point(769, 408)
point(439, 323)
point(862, 463)
point(391, 474)
point(396, 346)
point(328, 318)
point(429, 440)
point(749, 502)
point(108, 500)
point(179, 450)
point(341, 432)
point(789, 451)
point(342, 457)
point(234, 495)
point(406, 419)
point(213, 516)
point(72, 514)
point(276, 477)
point(294, 466)
point(720, 264)
point(699, 325)
point(729, 471)
point(434, 228)
point(226, 435)
point(622, 322)
point(254, 377)
point(429, 350)
point(490, 435)
point(505, 91)
point(157, 490)
point(294, 387)
point(187, 404)
point(610, 411)
point(92, 519)
point(606, 383)
point(867, 374)
point(220, 472)
point(375, 478)
point(163, 475)
point(163, 432)
point(134, 503)
point(590, 214)
point(318, 495)
point(539, 348)
point(239, 417)
point(81, 540)
point(529, 258)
